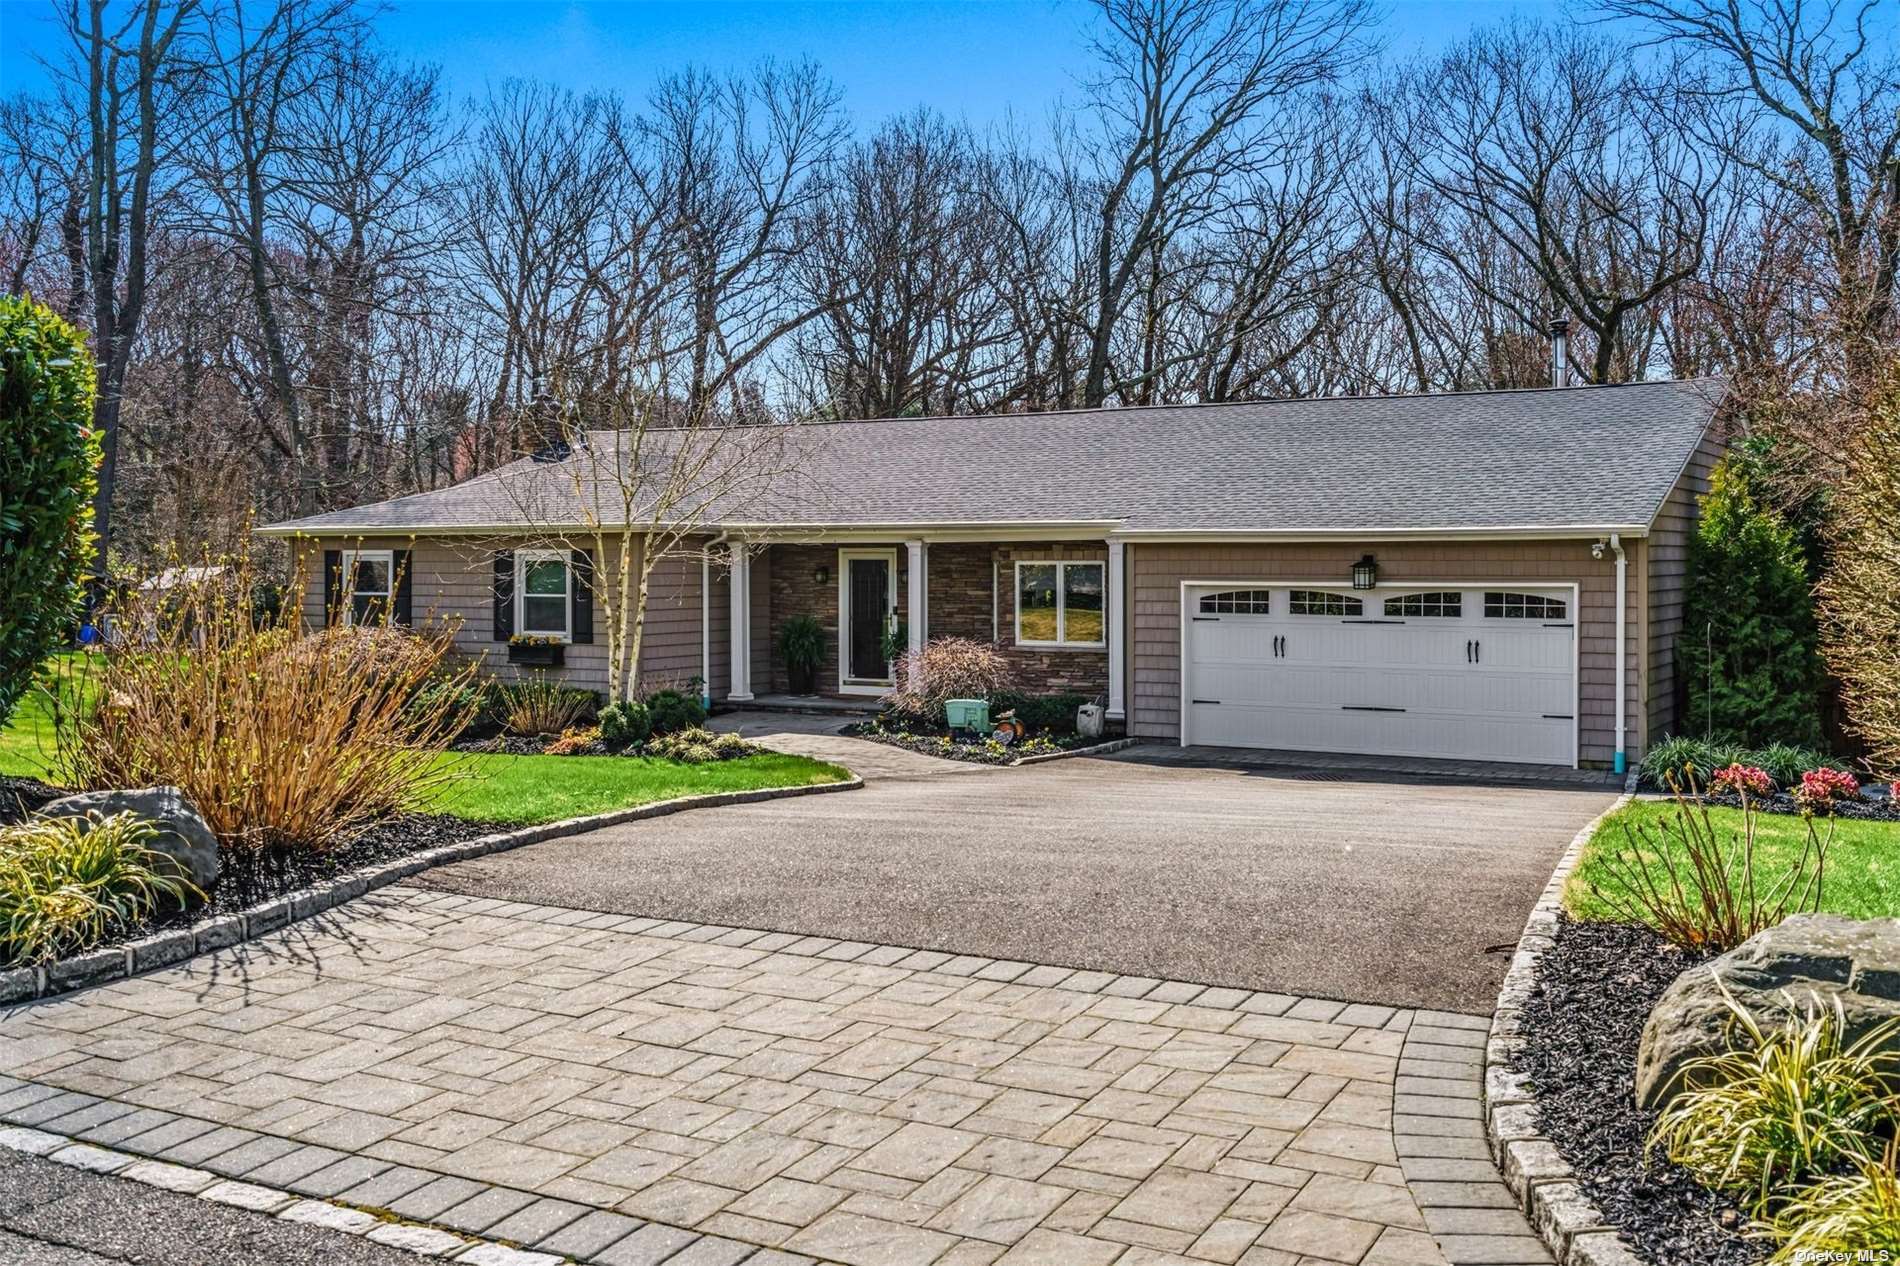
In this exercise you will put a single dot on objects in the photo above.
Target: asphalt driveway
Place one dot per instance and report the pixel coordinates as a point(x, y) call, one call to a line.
point(1357, 885)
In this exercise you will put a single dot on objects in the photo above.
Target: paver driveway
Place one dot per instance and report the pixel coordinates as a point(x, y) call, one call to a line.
point(617, 1088)
point(1391, 890)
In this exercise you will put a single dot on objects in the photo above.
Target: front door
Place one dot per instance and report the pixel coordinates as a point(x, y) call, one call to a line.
point(867, 594)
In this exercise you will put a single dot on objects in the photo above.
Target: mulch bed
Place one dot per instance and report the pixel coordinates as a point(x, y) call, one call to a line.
point(19, 797)
point(979, 751)
point(249, 878)
point(1595, 988)
point(1872, 809)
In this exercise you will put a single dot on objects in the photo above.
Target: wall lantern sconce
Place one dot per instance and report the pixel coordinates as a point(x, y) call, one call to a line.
point(1365, 573)
point(821, 575)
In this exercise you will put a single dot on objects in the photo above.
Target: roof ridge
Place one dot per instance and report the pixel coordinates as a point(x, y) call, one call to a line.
point(1213, 404)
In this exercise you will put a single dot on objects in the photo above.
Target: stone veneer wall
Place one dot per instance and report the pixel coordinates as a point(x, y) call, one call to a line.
point(971, 594)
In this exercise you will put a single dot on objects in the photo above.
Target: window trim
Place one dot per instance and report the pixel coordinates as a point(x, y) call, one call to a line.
point(1351, 605)
point(1504, 602)
point(1457, 597)
point(1263, 596)
point(1061, 565)
point(346, 568)
point(523, 559)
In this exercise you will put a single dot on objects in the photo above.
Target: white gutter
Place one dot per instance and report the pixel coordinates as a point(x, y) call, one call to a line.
point(1185, 536)
point(1622, 654)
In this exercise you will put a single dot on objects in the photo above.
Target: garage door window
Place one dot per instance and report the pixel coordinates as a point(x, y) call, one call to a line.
point(1427, 606)
point(1522, 606)
point(1238, 602)
point(1059, 604)
point(1319, 602)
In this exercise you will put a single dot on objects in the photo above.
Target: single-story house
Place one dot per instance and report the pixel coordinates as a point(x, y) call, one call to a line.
point(1491, 575)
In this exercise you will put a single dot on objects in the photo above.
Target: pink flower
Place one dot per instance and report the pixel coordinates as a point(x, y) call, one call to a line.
point(1741, 779)
point(1894, 791)
point(1824, 784)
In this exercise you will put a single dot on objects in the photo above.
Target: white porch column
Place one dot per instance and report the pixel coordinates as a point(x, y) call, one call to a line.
point(1117, 632)
point(916, 585)
point(741, 624)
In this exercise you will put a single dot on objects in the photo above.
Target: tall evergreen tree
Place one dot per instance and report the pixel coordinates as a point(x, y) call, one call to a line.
point(1750, 648)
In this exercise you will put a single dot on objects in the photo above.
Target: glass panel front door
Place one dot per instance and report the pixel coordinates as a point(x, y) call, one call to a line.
point(868, 586)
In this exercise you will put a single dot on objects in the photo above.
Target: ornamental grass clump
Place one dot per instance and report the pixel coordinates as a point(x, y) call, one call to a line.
point(1783, 1105)
point(285, 742)
point(1701, 890)
point(1842, 1217)
point(539, 704)
point(66, 884)
point(944, 669)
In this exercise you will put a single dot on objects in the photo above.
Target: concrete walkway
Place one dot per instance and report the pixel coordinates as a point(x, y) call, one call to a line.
point(627, 1091)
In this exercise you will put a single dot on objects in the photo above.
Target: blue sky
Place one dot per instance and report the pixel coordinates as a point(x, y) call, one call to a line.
point(981, 60)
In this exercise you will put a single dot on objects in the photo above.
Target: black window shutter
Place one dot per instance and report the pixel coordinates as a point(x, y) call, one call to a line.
point(332, 579)
point(504, 595)
point(580, 597)
point(399, 563)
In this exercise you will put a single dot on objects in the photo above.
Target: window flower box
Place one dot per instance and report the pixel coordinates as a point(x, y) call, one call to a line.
point(542, 652)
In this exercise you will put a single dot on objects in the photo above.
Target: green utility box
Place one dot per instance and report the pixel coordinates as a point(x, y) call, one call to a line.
point(967, 714)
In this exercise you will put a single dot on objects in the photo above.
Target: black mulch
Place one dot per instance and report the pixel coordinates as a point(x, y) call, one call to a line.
point(1872, 809)
point(21, 796)
point(966, 747)
point(248, 878)
point(1582, 1024)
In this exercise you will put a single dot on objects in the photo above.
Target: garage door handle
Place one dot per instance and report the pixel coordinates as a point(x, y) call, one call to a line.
point(1215, 702)
point(1467, 650)
point(1349, 707)
point(1477, 652)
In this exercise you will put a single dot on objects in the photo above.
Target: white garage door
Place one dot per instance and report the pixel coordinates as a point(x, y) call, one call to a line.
point(1480, 674)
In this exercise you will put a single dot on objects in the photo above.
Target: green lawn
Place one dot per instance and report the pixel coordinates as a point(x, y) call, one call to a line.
point(1862, 878)
point(530, 789)
point(26, 744)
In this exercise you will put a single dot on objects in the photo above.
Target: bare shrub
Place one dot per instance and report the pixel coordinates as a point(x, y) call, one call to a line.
point(283, 741)
point(947, 668)
point(1700, 890)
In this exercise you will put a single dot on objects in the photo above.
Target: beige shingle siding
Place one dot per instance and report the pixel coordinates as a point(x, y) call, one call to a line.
point(1667, 571)
point(1156, 573)
point(452, 580)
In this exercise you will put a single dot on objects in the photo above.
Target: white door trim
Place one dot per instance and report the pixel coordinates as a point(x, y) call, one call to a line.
point(862, 685)
point(1572, 588)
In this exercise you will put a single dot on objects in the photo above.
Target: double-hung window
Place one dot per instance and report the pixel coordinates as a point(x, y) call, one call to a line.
point(1060, 604)
point(542, 594)
point(370, 575)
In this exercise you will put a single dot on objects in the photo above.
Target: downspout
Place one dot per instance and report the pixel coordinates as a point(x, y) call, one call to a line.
point(705, 621)
point(1622, 654)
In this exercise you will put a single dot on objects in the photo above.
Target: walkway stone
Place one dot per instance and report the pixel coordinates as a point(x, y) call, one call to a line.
point(622, 1090)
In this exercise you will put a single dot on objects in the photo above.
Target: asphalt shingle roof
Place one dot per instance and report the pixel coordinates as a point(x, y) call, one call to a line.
point(1576, 457)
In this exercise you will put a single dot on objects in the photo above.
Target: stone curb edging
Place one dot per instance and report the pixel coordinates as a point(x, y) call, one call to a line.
point(1541, 1181)
point(161, 949)
point(426, 1239)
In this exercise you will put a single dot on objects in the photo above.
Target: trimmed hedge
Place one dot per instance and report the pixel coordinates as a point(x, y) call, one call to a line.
point(49, 466)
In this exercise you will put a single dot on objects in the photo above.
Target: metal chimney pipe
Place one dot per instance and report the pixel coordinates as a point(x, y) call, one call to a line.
point(1560, 352)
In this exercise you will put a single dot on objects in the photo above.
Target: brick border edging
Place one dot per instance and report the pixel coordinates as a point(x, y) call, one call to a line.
point(1539, 1178)
point(162, 949)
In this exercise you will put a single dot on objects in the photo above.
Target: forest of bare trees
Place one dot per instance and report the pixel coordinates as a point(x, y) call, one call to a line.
point(313, 279)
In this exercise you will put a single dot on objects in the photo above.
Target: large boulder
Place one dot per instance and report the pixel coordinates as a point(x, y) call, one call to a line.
point(1781, 974)
point(181, 833)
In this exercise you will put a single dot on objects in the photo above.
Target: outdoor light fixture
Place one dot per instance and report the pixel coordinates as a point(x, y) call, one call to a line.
point(1364, 572)
point(821, 575)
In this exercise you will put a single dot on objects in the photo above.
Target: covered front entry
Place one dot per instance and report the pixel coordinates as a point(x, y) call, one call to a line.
point(867, 603)
point(1481, 674)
